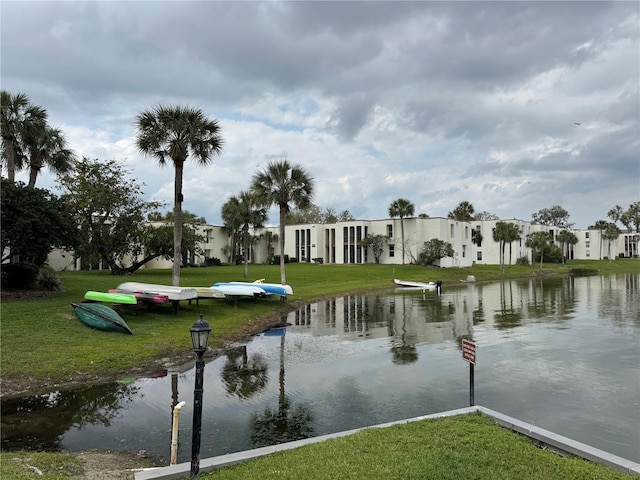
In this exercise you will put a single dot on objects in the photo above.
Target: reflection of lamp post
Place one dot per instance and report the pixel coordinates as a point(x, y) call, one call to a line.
point(199, 338)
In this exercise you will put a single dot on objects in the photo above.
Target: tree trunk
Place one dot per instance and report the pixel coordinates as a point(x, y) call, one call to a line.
point(245, 238)
point(177, 226)
point(283, 213)
point(402, 237)
point(34, 170)
point(11, 158)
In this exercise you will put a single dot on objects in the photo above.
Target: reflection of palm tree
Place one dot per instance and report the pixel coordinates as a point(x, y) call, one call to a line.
point(285, 424)
point(403, 352)
point(507, 317)
point(242, 377)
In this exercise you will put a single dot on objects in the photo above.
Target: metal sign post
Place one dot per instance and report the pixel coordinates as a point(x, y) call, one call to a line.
point(469, 355)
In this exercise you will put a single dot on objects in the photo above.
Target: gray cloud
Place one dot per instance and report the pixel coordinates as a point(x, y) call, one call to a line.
point(437, 102)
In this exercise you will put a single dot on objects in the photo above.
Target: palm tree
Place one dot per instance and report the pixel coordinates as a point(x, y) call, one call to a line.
point(269, 237)
point(600, 225)
point(512, 234)
point(401, 208)
point(282, 184)
point(501, 235)
point(464, 212)
point(538, 242)
point(566, 238)
point(246, 213)
point(612, 232)
point(47, 146)
point(19, 118)
point(174, 133)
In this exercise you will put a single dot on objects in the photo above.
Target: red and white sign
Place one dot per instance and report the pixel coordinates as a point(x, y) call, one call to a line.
point(469, 351)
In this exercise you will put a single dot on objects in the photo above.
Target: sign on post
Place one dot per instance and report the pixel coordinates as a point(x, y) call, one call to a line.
point(469, 351)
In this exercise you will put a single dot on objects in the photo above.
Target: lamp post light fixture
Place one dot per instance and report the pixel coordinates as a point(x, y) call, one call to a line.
point(199, 338)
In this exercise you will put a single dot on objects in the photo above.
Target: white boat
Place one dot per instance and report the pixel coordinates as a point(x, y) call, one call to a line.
point(235, 290)
point(417, 285)
point(274, 288)
point(175, 294)
point(209, 292)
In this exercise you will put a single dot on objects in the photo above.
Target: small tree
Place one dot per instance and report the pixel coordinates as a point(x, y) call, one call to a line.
point(109, 213)
point(376, 243)
point(33, 223)
point(555, 216)
point(434, 250)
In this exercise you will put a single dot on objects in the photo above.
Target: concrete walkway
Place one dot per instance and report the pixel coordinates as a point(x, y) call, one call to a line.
point(183, 470)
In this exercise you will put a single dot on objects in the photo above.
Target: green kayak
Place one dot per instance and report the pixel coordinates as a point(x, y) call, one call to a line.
point(122, 298)
point(100, 317)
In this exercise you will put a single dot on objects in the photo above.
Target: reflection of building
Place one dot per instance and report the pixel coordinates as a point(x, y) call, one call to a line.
point(413, 319)
point(341, 243)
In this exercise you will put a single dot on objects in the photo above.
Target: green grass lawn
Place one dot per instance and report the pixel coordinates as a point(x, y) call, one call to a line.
point(451, 448)
point(43, 343)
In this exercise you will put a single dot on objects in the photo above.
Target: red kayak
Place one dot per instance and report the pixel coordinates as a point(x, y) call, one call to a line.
point(145, 296)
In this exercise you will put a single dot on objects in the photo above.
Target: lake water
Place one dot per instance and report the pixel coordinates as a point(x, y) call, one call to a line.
point(562, 353)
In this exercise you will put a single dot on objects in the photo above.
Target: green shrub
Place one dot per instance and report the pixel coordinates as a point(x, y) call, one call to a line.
point(21, 276)
point(48, 279)
point(522, 261)
point(213, 262)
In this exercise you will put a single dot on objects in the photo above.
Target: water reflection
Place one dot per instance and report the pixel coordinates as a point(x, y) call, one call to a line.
point(39, 422)
point(286, 423)
point(561, 353)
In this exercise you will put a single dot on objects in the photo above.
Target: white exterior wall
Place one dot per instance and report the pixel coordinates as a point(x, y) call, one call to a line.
point(339, 243)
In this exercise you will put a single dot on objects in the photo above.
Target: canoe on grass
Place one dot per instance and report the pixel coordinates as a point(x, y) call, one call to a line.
point(111, 297)
point(145, 297)
point(236, 290)
point(274, 288)
point(174, 293)
point(100, 317)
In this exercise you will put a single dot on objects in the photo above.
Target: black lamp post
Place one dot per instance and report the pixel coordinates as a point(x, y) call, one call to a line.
point(199, 338)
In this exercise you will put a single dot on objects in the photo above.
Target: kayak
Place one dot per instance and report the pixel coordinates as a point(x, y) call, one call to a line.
point(111, 297)
point(100, 317)
point(144, 296)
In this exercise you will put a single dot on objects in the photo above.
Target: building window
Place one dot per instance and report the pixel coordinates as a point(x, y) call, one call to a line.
point(451, 231)
point(392, 249)
point(466, 233)
point(390, 230)
point(586, 244)
point(464, 251)
point(587, 254)
point(586, 234)
point(479, 256)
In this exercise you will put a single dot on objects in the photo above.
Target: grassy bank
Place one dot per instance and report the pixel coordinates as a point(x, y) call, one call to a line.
point(463, 447)
point(43, 344)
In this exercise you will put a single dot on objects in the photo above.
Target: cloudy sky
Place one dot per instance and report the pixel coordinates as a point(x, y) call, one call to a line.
point(512, 106)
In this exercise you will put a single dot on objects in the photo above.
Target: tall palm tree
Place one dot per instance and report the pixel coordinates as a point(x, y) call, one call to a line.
point(173, 133)
point(19, 117)
point(283, 184)
point(246, 212)
point(501, 235)
point(512, 234)
point(600, 225)
point(401, 208)
point(47, 146)
point(538, 242)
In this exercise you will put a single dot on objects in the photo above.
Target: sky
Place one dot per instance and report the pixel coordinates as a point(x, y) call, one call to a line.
point(512, 106)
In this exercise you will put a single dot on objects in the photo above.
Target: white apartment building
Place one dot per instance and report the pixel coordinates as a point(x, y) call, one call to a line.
point(339, 243)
